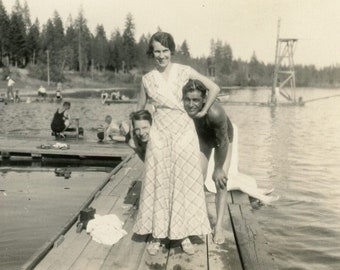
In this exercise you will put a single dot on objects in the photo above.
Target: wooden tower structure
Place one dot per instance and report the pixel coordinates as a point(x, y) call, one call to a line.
point(284, 73)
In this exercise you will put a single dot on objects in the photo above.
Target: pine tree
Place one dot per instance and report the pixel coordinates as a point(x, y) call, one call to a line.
point(71, 48)
point(4, 34)
point(100, 49)
point(116, 51)
point(17, 38)
point(84, 42)
point(33, 42)
point(129, 43)
point(141, 57)
point(58, 35)
point(25, 11)
point(185, 49)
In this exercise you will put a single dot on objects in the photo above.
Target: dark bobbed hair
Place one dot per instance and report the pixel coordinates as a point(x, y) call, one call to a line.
point(193, 85)
point(66, 103)
point(141, 115)
point(163, 38)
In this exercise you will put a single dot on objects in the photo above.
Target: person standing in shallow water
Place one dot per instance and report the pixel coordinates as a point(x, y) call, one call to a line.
point(172, 203)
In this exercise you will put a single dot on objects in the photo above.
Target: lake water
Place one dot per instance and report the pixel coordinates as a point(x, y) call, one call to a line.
point(296, 150)
point(35, 205)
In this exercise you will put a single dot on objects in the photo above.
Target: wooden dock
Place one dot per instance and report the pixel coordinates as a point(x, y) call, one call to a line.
point(31, 149)
point(245, 247)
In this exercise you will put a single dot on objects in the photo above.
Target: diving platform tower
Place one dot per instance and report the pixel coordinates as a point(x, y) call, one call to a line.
point(284, 74)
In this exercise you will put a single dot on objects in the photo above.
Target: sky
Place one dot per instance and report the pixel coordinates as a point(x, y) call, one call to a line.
point(246, 25)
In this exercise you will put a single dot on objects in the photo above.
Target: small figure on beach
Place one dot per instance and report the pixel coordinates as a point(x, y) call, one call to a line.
point(10, 86)
point(42, 92)
point(172, 202)
point(108, 129)
point(115, 95)
point(58, 95)
point(112, 130)
point(59, 86)
point(17, 98)
point(104, 96)
point(61, 120)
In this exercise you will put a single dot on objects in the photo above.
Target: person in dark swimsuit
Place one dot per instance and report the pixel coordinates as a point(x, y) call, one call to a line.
point(214, 130)
point(61, 120)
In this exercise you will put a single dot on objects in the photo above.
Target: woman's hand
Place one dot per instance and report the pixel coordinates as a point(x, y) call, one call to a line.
point(200, 114)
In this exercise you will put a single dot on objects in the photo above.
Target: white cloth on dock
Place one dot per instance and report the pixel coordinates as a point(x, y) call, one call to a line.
point(237, 180)
point(61, 146)
point(106, 229)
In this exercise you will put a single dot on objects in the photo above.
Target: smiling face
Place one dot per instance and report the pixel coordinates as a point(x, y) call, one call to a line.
point(193, 102)
point(161, 54)
point(142, 129)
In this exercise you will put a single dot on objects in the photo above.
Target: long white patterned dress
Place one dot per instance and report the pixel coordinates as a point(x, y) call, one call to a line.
point(172, 202)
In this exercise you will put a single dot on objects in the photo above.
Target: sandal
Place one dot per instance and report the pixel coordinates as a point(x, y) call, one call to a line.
point(153, 248)
point(187, 247)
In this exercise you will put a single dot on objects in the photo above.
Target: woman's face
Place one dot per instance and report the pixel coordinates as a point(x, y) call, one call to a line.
point(161, 54)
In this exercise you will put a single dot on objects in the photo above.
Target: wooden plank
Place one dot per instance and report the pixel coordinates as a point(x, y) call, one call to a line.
point(40, 254)
point(93, 256)
point(127, 253)
point(65, 254)
point(180, 260)
point(224, 256)
point(157, 261)
point(250, 240)
point(238, 197)
point(16, 146)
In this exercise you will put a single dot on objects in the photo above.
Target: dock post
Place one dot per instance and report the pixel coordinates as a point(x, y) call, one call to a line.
point(77, 127)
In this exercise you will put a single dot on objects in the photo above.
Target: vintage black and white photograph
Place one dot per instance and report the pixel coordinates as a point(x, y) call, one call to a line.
point(169, 135)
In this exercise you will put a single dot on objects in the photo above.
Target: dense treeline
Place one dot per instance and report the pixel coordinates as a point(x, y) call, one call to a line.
point(71, 47)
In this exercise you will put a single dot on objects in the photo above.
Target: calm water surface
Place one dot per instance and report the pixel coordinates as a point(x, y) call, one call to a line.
point(35, 205)
point(296, 150)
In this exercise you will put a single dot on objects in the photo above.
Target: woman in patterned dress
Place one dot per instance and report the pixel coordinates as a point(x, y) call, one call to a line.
point(172, 203)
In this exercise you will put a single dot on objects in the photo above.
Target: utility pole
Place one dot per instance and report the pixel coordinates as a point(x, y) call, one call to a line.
point(48, 67)
point(79, 49)
point(92, 68)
